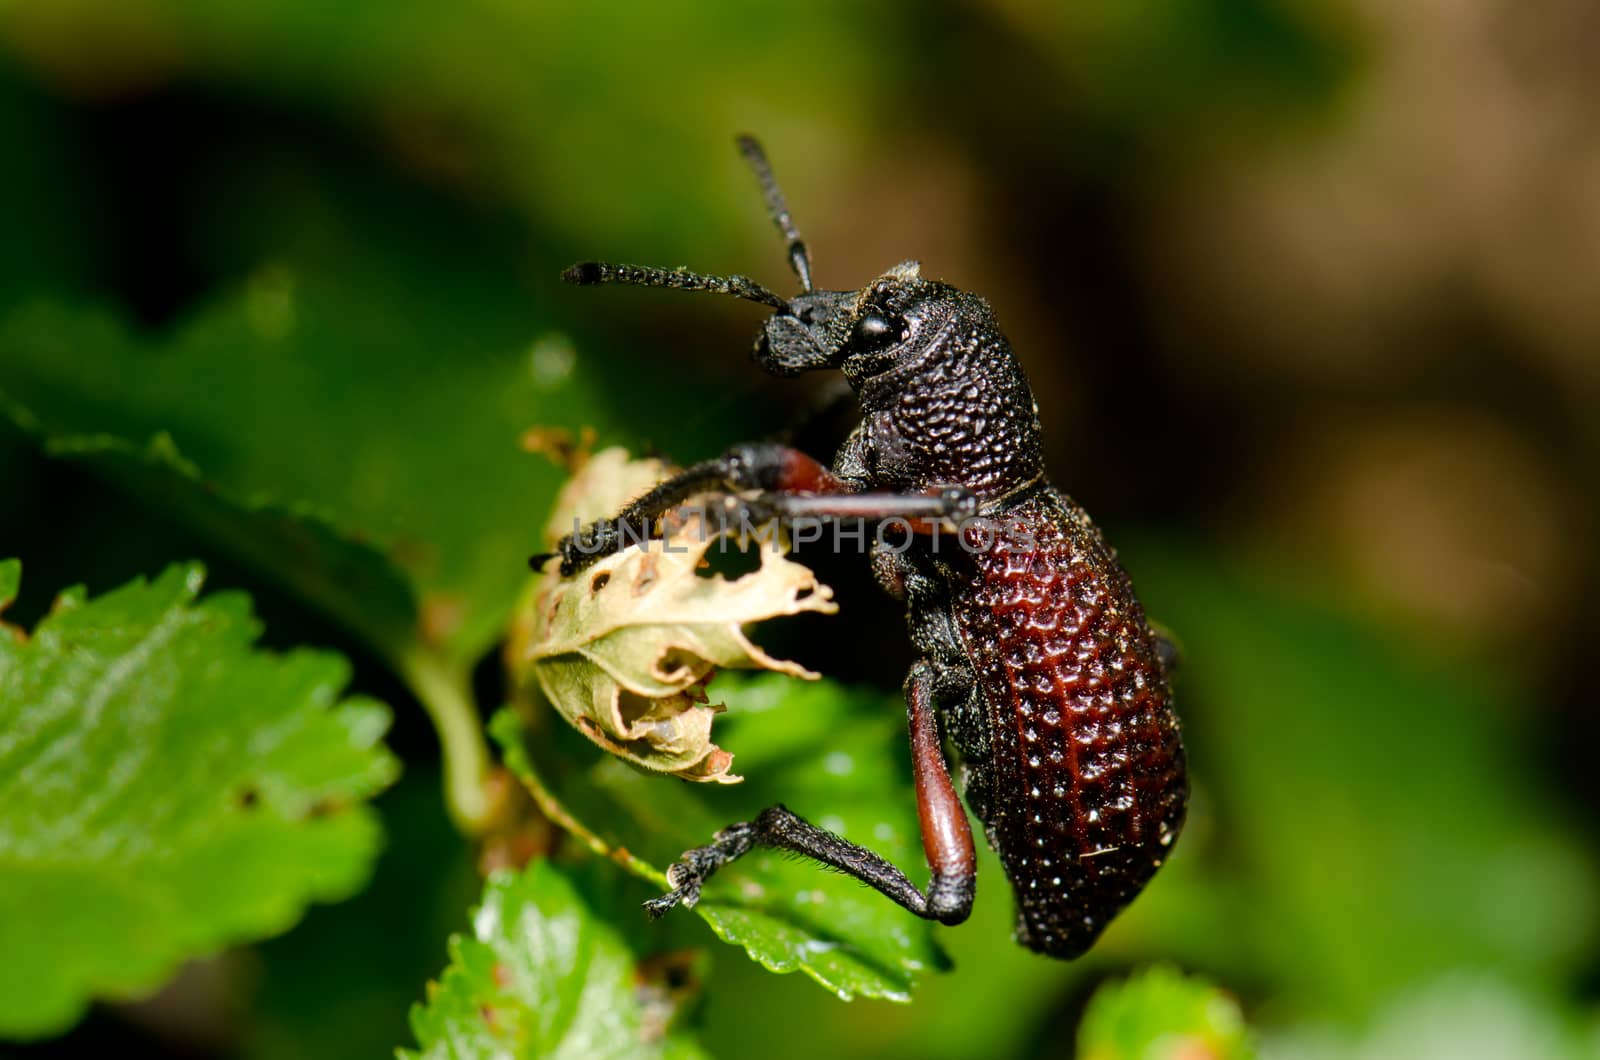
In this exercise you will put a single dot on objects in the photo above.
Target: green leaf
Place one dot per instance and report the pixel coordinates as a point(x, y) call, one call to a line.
point(541, 976)
point(342, 983)
point(311, 449)
point(1160, 1014)
point(406, 442)
point(165, 791)
point(833, 754)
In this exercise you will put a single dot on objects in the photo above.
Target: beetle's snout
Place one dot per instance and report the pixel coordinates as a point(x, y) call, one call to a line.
point(804, 335)
point(786, 347)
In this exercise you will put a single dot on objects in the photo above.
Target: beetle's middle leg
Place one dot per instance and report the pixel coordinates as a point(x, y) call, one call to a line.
point(787, 484)
point(946, 836)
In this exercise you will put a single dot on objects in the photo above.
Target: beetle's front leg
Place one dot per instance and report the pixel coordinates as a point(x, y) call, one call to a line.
point(946, 836)
point(788, 485)
point(767, 467)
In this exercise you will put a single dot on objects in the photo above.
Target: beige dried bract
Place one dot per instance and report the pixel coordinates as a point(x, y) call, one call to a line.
point(624, 649)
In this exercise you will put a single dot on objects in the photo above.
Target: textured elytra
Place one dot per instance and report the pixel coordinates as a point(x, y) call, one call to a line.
point(1084, 788)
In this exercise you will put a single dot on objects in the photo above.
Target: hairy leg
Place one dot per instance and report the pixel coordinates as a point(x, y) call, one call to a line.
point(946, 836)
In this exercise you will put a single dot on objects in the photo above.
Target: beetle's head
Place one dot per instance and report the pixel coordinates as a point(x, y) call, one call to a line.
point(864, 332)
point(933, 353)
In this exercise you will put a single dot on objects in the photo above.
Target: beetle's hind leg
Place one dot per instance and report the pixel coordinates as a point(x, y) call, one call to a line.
point(946, 900)
point(782, 829)
point(946, 836)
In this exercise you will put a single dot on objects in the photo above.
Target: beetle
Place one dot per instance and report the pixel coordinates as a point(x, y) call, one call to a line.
point(1036, 665)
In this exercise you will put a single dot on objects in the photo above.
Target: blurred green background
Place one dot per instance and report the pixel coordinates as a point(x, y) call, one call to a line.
point(1304, 288)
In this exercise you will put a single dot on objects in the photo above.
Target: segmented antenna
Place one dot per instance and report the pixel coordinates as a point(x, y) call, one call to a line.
point(799, 257)
point(595, 272)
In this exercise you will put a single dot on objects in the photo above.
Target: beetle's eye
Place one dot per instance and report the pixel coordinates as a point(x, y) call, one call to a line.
point(876, 331)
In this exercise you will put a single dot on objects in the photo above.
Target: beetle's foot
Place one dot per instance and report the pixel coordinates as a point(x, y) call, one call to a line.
point(690, 872)
point(587, 545)
point(656, 908)
point(685, 891)
point(595, 542)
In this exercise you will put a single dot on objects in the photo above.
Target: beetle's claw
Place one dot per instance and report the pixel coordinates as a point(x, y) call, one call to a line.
point(656, 908)
point(689, 873)
point(685, 891)
point(589, 545)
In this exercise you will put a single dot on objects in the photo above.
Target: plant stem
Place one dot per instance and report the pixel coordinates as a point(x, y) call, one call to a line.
point(553, 808)
point(446, 695)
point(508, 731)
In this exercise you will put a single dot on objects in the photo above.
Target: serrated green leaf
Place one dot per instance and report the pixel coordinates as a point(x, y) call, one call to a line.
point(166, 790)
point(833, 754)
point(341, 984)
point(1161, 1014)
point(541, 976)
point(311, 450)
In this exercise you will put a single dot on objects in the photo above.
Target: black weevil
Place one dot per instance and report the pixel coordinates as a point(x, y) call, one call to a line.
point(1037, 665)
